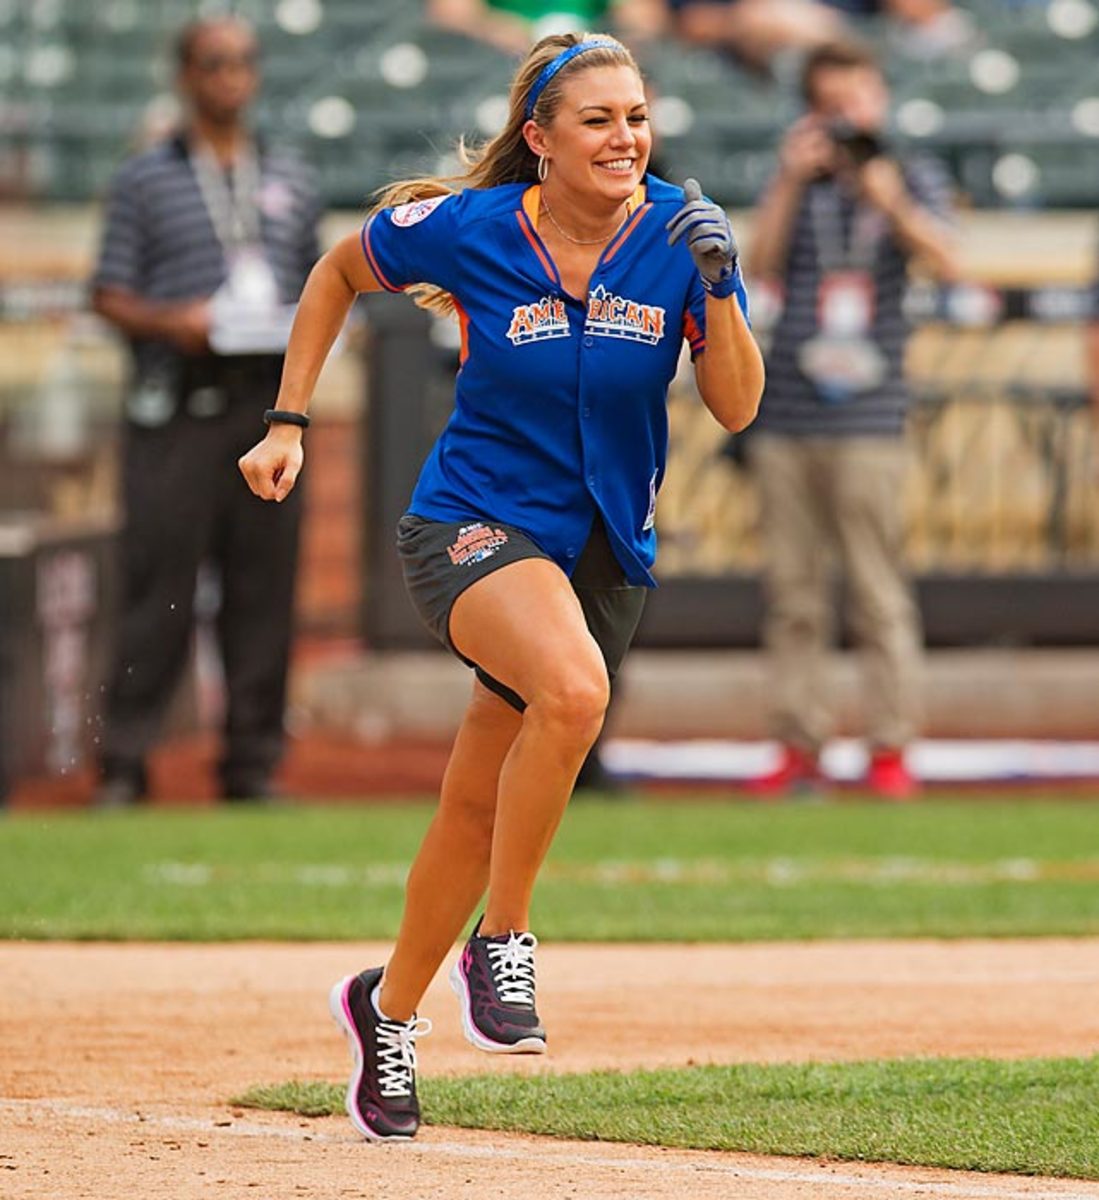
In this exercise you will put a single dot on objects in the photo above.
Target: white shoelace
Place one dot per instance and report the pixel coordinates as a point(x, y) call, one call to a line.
point(397, 1054)
point(513, 968)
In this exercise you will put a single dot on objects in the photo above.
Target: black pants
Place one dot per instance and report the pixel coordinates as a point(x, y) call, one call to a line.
point(186, 504)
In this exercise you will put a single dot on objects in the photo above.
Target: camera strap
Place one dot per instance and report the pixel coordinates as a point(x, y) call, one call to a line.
point(842, 359)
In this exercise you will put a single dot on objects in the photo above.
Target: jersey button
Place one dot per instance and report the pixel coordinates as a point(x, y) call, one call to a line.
point(591, 480)
point(589, 342)
point(570, 553)
point(587, 412)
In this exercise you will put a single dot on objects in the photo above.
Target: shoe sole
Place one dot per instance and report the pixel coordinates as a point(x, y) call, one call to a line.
point(528, 1045)
point(341, 1014)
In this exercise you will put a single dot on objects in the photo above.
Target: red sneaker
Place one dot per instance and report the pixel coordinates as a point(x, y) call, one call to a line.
point(888, 776)
point(798, 771)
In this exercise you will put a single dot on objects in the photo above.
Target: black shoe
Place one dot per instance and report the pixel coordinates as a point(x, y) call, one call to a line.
point(120, 790)
point(381, 1096)
point(249, 789)
point(494, 980)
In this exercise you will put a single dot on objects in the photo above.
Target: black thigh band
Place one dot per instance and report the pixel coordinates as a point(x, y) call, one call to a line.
point(441, 559)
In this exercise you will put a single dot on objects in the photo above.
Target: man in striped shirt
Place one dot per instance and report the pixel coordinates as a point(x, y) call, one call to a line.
point(834, 233)
point(208, 236)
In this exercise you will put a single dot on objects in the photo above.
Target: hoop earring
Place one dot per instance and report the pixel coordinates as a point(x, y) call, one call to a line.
point(543, 168)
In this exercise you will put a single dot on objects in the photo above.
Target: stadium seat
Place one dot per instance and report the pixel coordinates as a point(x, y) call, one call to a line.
point(374, 85)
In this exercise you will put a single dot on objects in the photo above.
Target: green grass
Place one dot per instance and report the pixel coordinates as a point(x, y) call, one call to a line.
point(677, 869)
point(1039, 1116)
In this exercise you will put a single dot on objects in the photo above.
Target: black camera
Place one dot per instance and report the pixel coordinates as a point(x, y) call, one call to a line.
point(859, 145)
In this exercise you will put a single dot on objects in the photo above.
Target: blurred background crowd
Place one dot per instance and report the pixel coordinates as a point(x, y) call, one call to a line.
point(1005, 90)
point(1001, 496)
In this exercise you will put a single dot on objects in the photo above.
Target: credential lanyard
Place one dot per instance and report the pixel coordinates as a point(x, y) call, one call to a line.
point(230, 201)
point(842, 359)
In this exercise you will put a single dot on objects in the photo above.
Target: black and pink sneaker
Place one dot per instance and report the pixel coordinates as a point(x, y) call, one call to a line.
point(494, 980)
point(381, 1096)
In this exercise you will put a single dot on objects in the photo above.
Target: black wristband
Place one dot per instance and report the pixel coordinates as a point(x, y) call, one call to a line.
point(284, 416)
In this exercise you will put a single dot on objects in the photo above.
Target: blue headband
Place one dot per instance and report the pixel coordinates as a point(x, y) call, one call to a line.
point(566, 56)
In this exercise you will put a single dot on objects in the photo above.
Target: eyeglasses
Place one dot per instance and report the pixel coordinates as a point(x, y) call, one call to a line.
point(211, 64)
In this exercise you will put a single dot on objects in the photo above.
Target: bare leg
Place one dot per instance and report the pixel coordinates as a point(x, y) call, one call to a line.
point(452, 867)
point(509, 776)
point(523, 624)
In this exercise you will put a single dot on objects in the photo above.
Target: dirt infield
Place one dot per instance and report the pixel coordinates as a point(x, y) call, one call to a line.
point(118, 1062)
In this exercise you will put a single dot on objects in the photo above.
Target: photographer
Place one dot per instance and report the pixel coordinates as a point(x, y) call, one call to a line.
point(834, 233)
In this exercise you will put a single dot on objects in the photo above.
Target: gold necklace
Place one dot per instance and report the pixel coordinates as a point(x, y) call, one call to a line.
point(580, 241)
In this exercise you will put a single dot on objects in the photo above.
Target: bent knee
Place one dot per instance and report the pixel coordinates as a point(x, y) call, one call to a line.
point(575, 702)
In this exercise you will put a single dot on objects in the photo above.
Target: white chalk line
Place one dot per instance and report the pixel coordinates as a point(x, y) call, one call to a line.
point(776, 872)
point(429, 1149)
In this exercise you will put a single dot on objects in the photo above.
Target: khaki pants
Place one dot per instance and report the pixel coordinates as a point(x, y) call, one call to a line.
point(820, 497)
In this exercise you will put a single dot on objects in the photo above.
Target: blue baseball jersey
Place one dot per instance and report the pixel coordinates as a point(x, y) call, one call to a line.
point(560, 402)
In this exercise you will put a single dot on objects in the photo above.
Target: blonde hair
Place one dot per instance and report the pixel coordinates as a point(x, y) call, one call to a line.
point(506, 158)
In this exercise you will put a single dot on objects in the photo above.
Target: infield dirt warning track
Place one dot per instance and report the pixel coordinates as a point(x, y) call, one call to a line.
point(118, 1062)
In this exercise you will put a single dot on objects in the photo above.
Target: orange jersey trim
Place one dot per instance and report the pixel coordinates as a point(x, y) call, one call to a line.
point(527, 217)
point(532, 203)
point(631, 225)
point(364, 237)
point(532, 207)
point(463, 325)
point(696, 339)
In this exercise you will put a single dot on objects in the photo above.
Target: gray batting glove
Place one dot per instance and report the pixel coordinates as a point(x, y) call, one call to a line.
point(710, 240)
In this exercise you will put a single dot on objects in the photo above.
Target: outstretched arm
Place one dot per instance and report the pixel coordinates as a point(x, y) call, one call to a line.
point(271, 467)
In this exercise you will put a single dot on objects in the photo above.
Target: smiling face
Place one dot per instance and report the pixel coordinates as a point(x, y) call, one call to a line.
point(599, 139)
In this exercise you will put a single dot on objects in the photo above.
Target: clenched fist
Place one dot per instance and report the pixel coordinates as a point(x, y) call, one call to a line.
point(272, 466)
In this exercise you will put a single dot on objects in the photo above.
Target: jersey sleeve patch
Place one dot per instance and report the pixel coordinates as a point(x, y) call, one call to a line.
point(416, 211)
point(403, 247)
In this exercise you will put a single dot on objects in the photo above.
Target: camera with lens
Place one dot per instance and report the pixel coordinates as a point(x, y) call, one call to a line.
point(860, 145)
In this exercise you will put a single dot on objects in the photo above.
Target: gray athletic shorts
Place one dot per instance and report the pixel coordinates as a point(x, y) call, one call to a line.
point(441, 559)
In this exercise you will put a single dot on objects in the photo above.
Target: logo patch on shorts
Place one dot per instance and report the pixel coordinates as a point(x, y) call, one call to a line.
point(475, 543)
